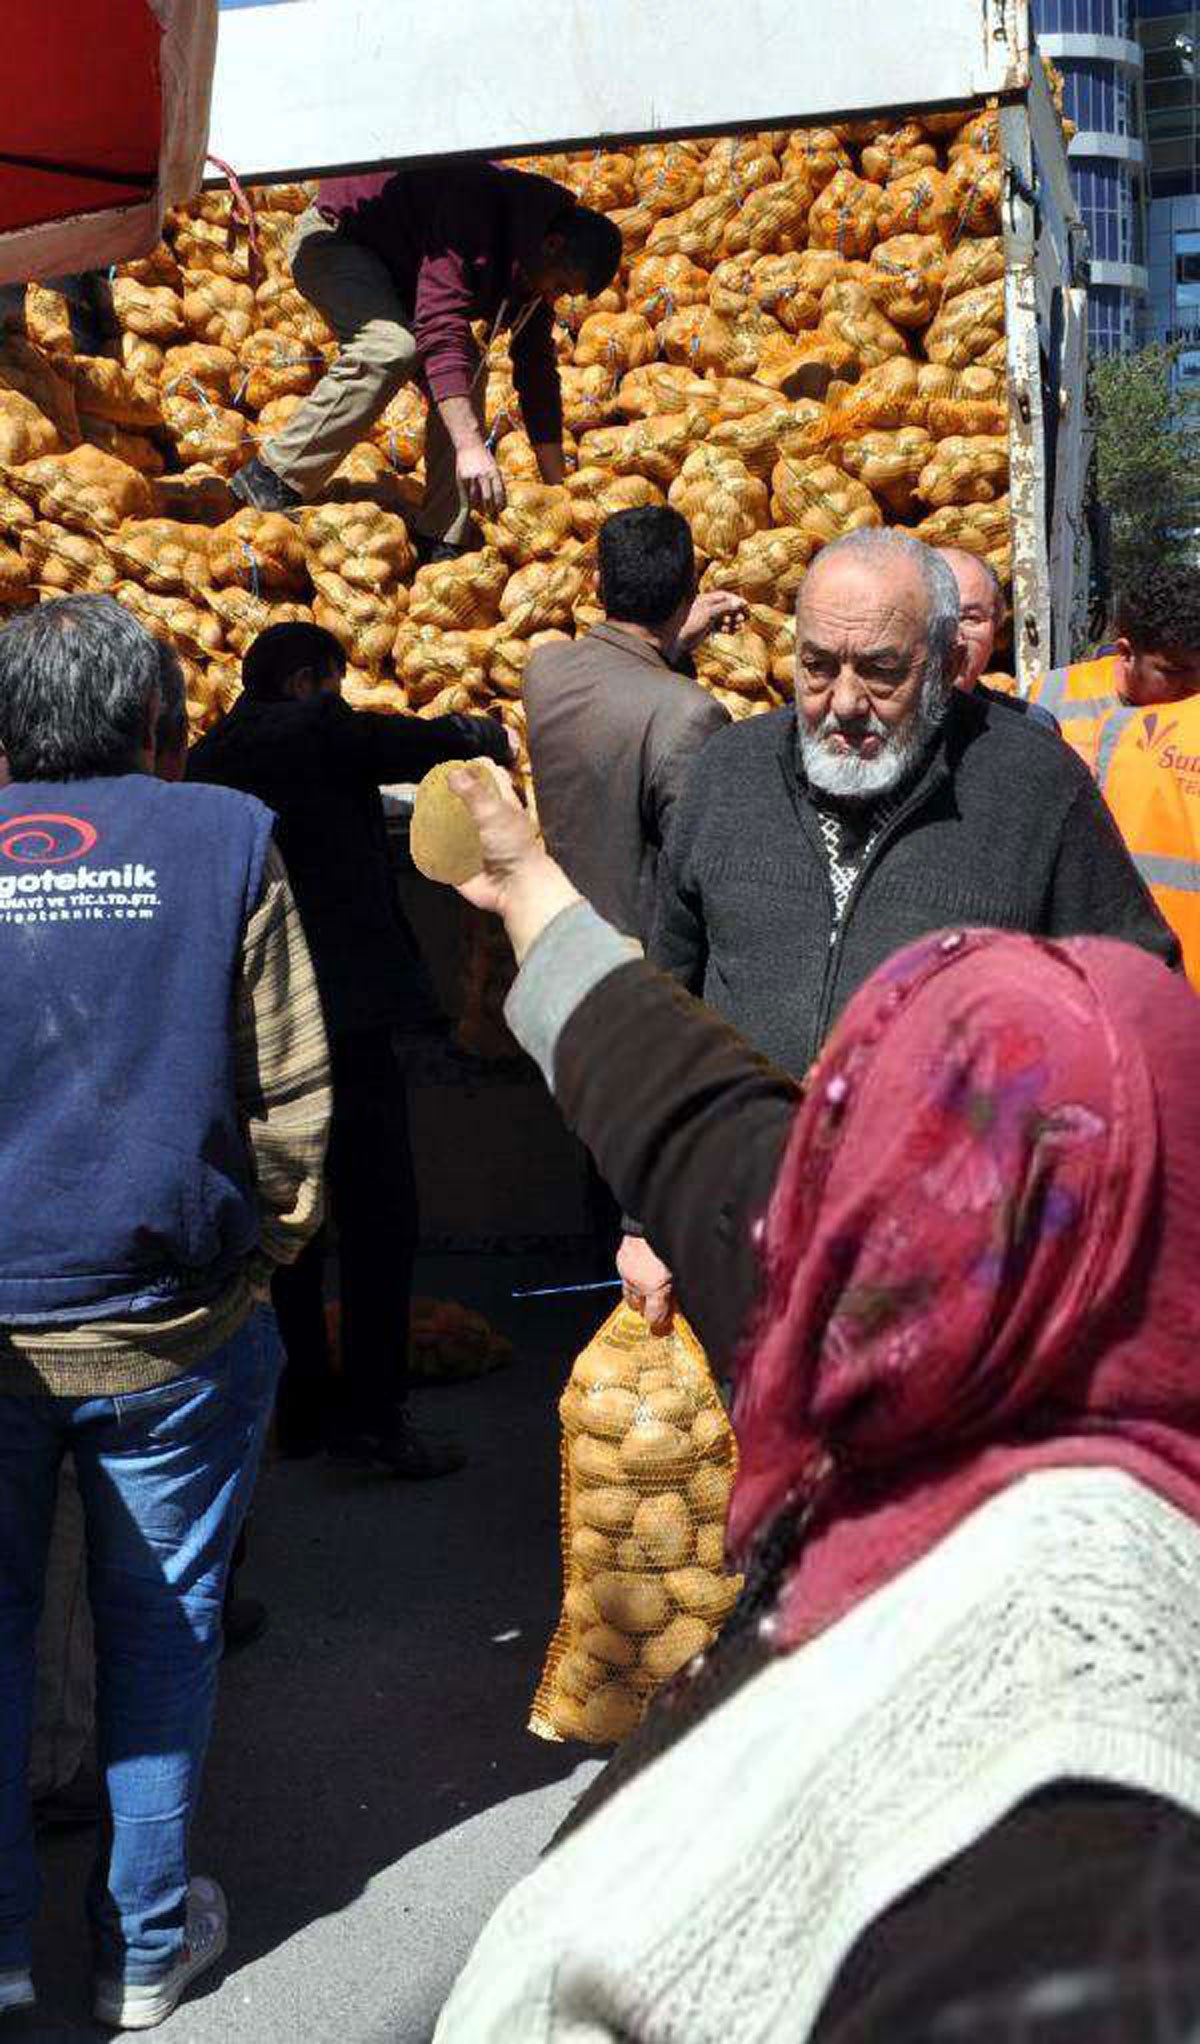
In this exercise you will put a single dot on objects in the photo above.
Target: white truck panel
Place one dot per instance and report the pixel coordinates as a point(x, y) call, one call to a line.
point(309, 85)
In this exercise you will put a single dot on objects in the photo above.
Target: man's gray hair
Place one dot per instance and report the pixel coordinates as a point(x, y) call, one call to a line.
point(886, 546)
point(77, 679)
point(170, 732)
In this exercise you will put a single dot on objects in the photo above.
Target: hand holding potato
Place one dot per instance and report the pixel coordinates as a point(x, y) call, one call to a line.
point(520, 881)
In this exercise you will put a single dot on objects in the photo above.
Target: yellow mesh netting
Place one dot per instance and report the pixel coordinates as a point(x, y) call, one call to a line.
point(648, 1461)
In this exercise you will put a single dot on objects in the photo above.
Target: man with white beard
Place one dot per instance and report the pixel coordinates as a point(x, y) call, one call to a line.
point(812, 843)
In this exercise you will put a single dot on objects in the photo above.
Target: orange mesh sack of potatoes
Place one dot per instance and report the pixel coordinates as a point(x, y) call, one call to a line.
point(648, 1462)
point(450, 1342)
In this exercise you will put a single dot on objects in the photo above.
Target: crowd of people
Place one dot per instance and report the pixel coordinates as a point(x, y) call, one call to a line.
point(898, 1101)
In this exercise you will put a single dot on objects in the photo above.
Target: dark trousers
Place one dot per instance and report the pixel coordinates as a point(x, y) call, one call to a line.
point(372, 1200)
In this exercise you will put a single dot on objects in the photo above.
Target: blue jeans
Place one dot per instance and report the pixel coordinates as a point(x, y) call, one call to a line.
point(166, 1478)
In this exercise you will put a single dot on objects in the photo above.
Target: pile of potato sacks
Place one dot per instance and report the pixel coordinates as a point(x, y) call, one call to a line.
point(806, 336)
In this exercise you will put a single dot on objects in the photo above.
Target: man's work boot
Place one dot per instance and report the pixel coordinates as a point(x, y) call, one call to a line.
point(400, 1451)
point(260, 487)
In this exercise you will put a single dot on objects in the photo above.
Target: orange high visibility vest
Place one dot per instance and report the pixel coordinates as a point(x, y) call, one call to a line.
point(1081, 697)
point(1148, 769)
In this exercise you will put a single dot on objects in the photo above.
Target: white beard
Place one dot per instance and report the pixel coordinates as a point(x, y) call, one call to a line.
point(846, 776)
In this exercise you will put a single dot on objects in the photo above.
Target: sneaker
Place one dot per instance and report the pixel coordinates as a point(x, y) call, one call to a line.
point(16, 1989)
point(143, 2005)
point(401, 1451)
point(260, 487)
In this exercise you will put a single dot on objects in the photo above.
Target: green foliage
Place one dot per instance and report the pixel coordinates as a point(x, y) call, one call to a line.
point(1147, 458)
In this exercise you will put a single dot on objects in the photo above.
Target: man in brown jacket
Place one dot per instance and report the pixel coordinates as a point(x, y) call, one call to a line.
point(613, 720)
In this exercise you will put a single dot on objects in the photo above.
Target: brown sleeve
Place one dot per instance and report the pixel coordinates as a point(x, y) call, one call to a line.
point(674, 751)
point(688, 1127)
point(281, 1069)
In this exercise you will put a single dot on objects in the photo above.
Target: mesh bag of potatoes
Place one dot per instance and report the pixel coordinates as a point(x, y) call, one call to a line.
point(595, 494)
point(26, 434)
point(449, 1343)
point(62, 563)
point(648, 1462)
point(660, 286)
point(363, 621)
point(86, 491)
point(16, 587)
point(980, 528)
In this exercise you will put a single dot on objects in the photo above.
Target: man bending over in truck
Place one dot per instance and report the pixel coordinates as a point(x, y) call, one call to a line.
point(400, 265)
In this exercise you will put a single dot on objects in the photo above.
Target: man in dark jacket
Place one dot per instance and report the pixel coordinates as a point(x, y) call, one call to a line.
point(812, 843)
point(613, 721)
point(319, 765)
point(400, 265)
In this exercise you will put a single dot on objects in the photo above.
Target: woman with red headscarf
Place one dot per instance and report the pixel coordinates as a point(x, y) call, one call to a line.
point(940, 1779)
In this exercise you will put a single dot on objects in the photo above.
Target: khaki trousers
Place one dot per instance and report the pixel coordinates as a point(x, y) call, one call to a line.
point(353, 291)
point(64, 1700)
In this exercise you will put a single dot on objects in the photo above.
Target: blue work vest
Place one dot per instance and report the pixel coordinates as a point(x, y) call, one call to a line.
point(125, 1176)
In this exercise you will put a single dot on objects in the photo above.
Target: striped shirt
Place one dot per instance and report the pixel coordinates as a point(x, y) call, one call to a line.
point(281, 1080)
point(848, 832)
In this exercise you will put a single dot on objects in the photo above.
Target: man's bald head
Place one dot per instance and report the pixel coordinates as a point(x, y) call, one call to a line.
point(981, 609)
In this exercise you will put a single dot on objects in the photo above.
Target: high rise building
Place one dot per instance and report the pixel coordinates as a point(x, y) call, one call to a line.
point(1094, 44)
point(1169, 34)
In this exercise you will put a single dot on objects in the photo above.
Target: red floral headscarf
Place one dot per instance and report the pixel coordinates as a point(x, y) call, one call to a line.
point(982, 1257)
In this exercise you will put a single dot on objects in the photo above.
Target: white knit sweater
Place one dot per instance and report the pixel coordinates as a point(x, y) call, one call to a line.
point(1055, 1634)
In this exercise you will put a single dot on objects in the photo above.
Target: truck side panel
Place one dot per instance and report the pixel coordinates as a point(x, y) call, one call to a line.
point(304, 86)
point(1046, 325)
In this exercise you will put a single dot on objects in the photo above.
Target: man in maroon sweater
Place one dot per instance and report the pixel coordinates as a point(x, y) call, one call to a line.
point(400, 266)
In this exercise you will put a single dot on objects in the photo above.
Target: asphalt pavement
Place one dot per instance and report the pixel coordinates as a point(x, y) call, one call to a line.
point(372, 1790)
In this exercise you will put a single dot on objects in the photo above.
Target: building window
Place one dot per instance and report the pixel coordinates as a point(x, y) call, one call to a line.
point(1187, 273)
point(1110, 320)
point(1097, 98)
point(1170, 37)
point(1083, 17)
point(1105, 198)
